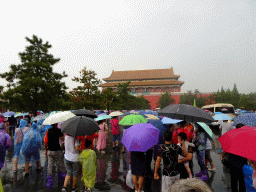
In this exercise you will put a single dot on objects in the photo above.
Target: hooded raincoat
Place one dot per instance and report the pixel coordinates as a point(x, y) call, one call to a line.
point(5, 143)
point(89, 165)
point(18, 137)
point(32, 142)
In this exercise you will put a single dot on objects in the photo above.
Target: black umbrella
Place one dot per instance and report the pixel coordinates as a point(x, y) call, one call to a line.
point(85, 112)
point(186, 113)
point(79, 126)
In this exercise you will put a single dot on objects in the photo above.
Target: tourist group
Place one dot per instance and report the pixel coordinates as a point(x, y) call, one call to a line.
point(168, 137)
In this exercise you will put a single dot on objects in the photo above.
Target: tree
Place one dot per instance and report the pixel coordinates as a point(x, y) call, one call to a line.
point(108, 97)
point(235, 97)
point(165, 100)
point(123, 96)
point(86, 96)
point(187, 98)
point(32, 85)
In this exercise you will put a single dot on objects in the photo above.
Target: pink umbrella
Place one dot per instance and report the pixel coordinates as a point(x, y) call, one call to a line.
point(240, 142)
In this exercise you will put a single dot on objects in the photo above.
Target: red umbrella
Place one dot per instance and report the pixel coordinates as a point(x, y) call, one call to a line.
point(240, 142)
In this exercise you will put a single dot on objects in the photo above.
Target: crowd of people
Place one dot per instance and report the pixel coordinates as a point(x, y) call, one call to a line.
point(73, 153)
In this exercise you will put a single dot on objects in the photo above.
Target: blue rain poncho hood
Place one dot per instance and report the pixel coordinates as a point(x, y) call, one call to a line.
point(23, 123)
point(40, 122)
point(32, 140)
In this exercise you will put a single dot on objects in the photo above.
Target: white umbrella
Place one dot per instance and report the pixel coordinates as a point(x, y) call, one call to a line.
point(58, 117)
point(115, 113)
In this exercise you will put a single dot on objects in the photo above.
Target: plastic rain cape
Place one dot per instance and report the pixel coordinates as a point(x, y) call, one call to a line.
point(89, 165)
point(18, 139)
point(32, 141)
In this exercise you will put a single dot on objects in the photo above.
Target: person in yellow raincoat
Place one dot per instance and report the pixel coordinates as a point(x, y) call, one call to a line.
point(89, 165)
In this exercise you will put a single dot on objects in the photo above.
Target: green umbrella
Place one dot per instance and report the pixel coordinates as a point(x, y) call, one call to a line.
point(207, 129)
point(132, 119)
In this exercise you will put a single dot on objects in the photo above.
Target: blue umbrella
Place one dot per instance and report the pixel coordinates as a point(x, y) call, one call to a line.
point(9, 114)
point(248, 119)
point(167, 120)
point(101, 114)
point(221, 117)
point(150, 113)
point(126, 113)
point(102, 117)
point(162, 128)
point(218, 113)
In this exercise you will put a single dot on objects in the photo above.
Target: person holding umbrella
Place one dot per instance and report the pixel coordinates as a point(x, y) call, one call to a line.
point(72, 149)
point(53, 152)
point(115, 131)
point(101, 145)
point(201, 137)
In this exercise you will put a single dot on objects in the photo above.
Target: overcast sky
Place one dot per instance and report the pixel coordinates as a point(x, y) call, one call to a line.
point(209, 43)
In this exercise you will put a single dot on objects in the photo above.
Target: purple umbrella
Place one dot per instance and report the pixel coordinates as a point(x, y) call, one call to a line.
point(9, 114)
point(140, 137)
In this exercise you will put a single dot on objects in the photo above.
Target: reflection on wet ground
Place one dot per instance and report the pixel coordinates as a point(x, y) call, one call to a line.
point(111, 172)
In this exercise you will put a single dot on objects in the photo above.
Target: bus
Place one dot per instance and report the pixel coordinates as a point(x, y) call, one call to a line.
point(221, 107)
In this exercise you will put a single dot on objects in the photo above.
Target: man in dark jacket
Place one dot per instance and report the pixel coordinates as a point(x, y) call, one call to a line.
point(12, 124)
point(236, 164)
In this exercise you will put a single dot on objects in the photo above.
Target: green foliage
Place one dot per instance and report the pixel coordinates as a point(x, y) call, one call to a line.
point(32, 85)
point(165, 100)
point(87, 95)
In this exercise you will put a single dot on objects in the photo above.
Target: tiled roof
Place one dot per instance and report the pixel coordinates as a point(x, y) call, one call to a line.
point(142, 74)
point(146, 83)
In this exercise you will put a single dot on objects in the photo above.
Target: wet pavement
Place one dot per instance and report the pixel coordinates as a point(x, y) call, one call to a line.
point(111, 172)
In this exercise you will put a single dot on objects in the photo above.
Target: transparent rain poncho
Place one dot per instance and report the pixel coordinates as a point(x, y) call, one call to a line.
point(89, 165)
point(18, 137)
point(32, 141)
point(44, 129)
point(5, 143)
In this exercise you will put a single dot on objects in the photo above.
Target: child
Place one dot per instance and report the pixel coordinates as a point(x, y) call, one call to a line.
point(183, 137)
point(89, 165)
point(169, 152)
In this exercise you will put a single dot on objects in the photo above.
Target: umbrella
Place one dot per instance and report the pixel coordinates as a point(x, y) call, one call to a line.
point(207, 129)
point(58, 117)
point(248, 119)
point(126, 113)
point(133, 111)
point(102, 114)
point(167, 120)
point(161, 127)
point(133, 119)
point(21, 114)
point(102, 117)
point(150, 113)
point(240, 142)
point(85, 112)
point(79, 126)
point(116, 113)
point(38, 117)
point(186, 113)
point(147, 116)
point(222, 117)
point(9, 114)
point(140, 137)
point(218, 113)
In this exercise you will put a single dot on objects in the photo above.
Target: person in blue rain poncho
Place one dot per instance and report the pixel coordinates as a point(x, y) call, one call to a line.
point(41, 127)
point(18, 138)
point(5, 143)
point(32, 143)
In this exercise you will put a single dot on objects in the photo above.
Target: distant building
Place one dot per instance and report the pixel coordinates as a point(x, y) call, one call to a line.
point(145, 82)
point(149, 83)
